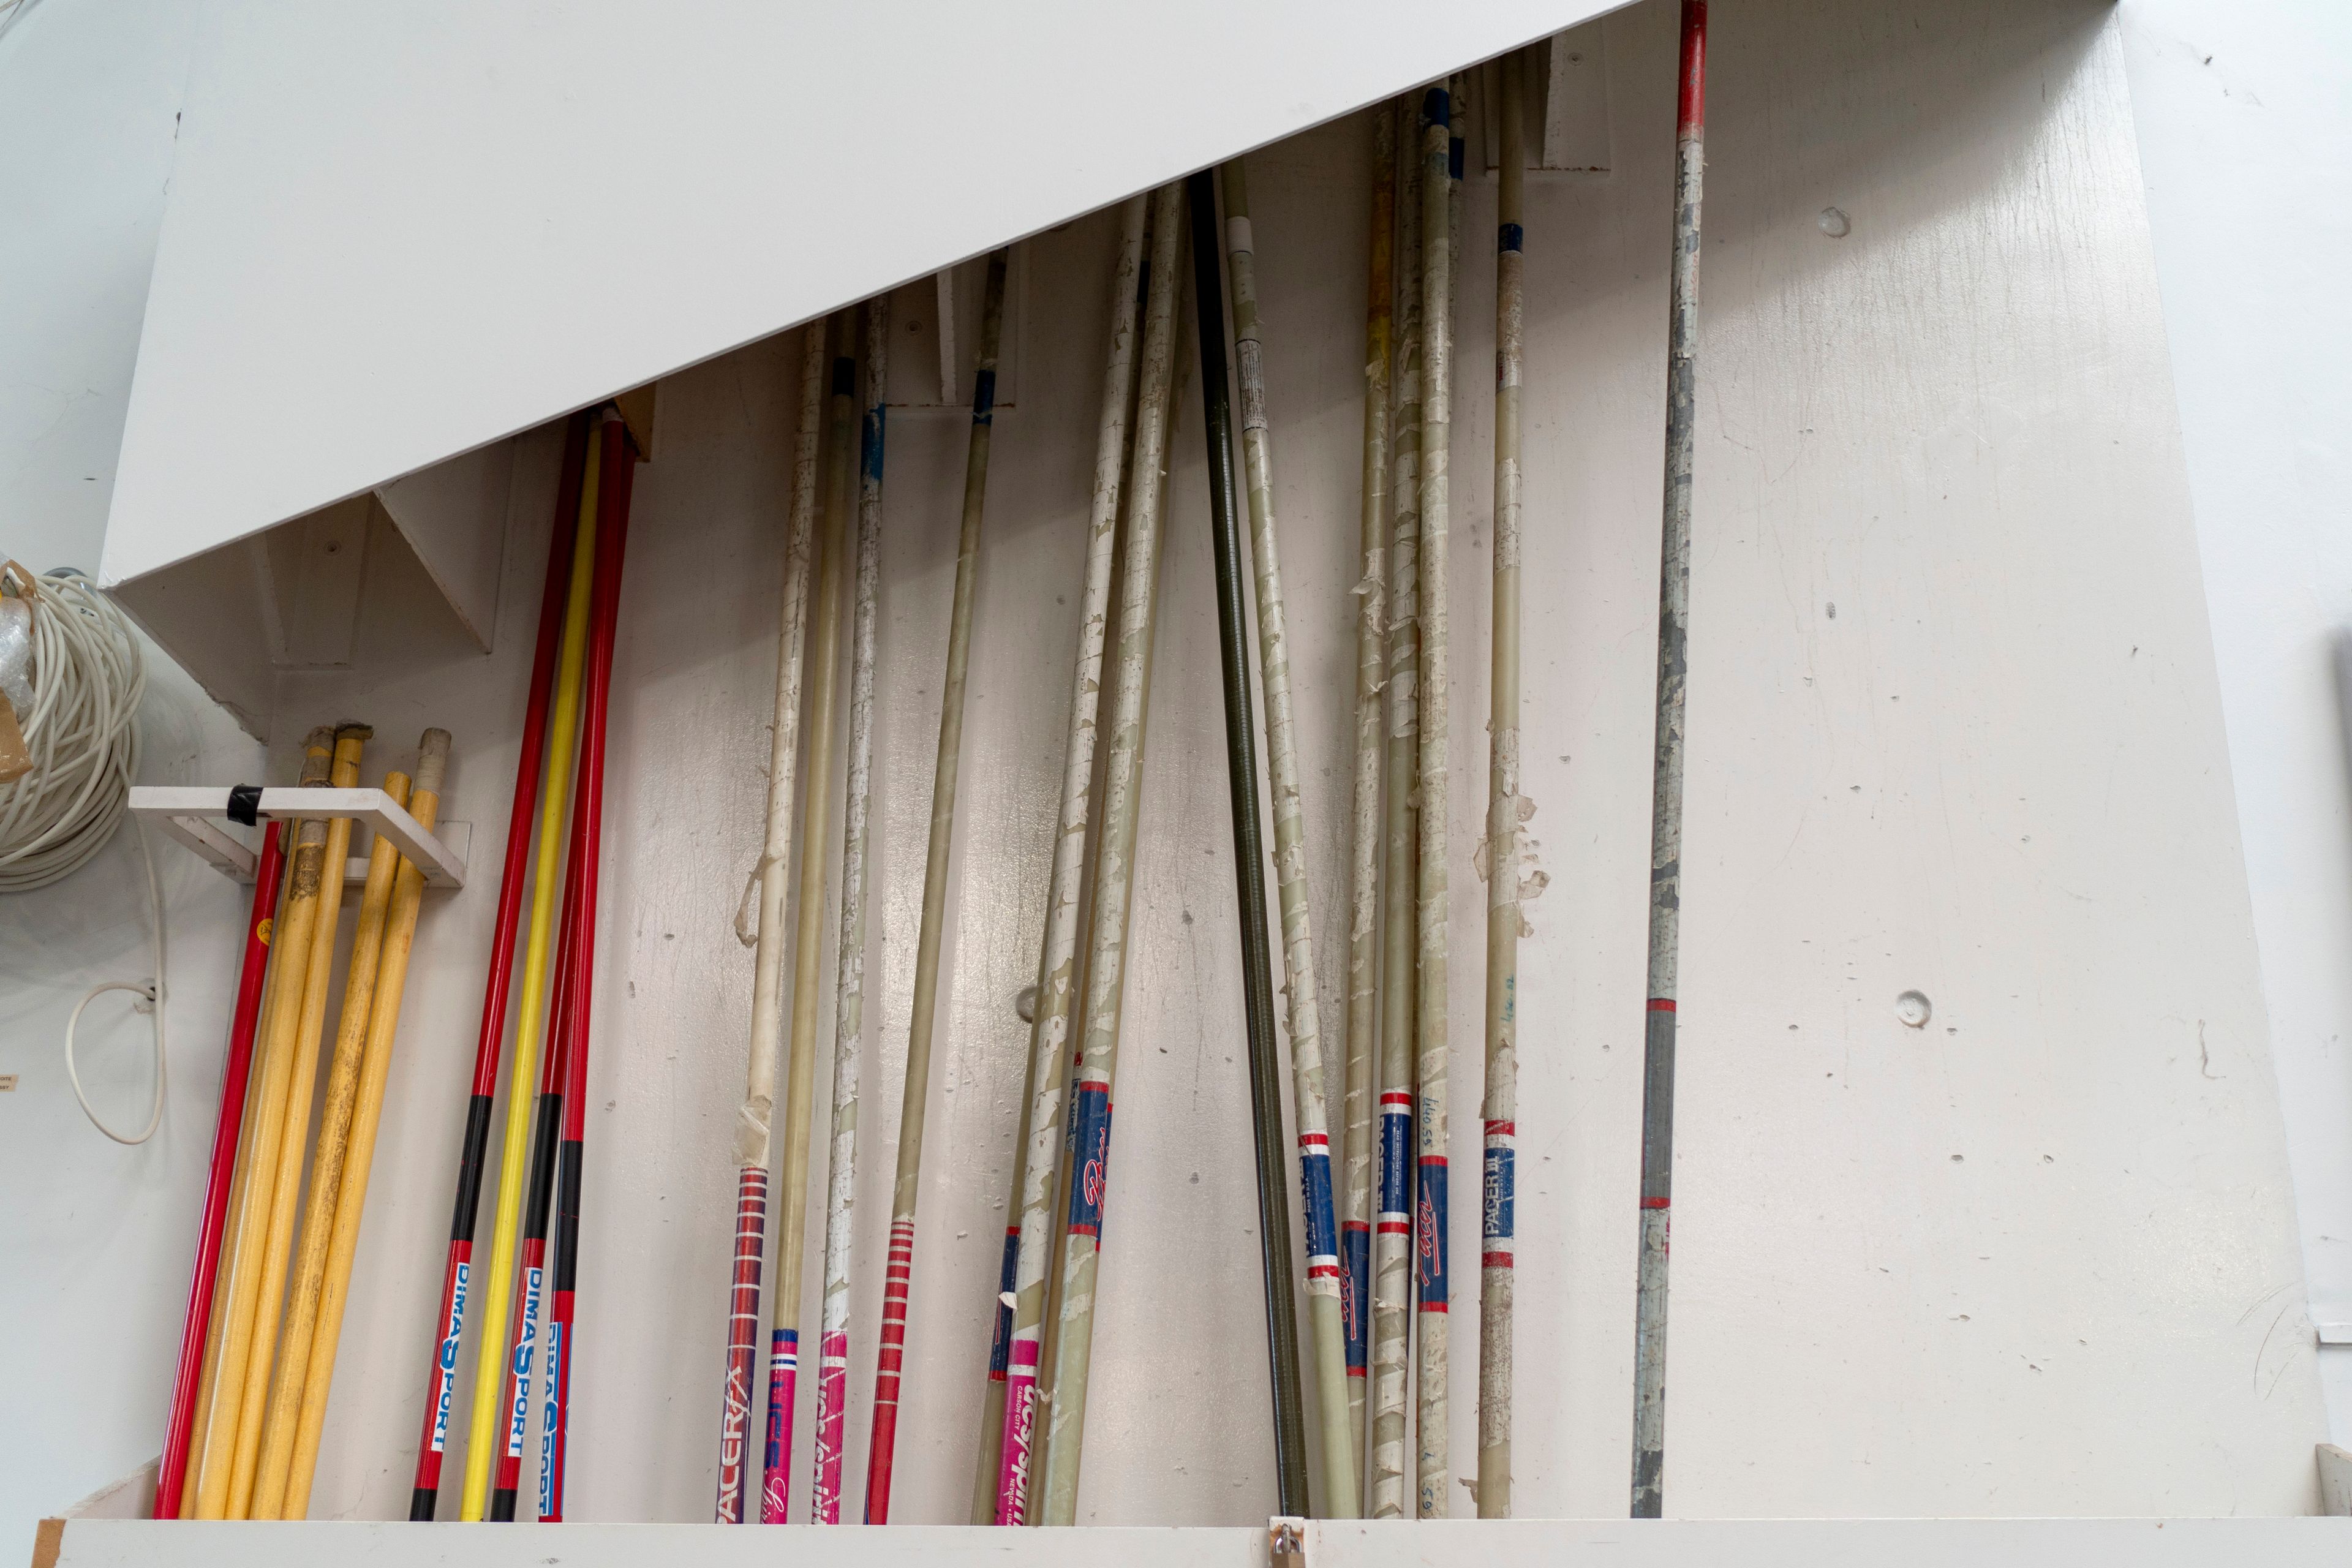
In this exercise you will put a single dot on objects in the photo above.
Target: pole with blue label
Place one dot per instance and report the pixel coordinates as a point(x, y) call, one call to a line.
point(1326, 1313)
point(1505, 811)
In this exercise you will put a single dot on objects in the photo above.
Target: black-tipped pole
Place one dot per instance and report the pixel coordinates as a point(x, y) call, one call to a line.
point(1249, 853)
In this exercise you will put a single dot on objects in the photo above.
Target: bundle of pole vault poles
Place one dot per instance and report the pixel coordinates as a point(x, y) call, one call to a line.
point(1377, 1240)
point(836, 495)
point(1367, 1395)
point(274, 1253)
point(520, 1308)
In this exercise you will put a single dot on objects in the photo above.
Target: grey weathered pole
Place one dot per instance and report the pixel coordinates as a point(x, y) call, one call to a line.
point(1037, 1157)
point(1432, 1220)
point(1360, 1163)
point(1503, 813)
point(1667, 786)
point(1055, 1501)
point(1310, 1109)
point(1393, 1226)
point(849, 953)
point(1249, 853)
point(898, 1275)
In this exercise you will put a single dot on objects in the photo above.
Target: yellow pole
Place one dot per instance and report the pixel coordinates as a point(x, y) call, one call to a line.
point(208, 1379)
point(562, 729)
point(234, 1305)
point(383, 1021)
point(287, 1182)
point(327, 1171)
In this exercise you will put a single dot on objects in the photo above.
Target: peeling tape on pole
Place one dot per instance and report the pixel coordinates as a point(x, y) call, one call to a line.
point(1396, 1161)
point(1322, 1241)
point(1429, 1236)
point(1090, 1181)
point(1501, 1194)
point(1001, 1346)
point(1355, 1290)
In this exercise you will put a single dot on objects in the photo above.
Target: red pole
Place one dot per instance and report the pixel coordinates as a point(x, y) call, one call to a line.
point(565, 1247)
point(238, 1069)
point(522, 1333)
point(617, 481)
point(442, 1383)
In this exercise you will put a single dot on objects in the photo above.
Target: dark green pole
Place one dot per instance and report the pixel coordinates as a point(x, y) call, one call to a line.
point(1249, 853)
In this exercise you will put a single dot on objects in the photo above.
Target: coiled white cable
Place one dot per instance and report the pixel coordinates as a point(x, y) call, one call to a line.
point(88, 675)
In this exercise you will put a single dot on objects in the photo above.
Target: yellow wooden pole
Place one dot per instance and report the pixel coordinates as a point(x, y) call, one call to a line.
point(383, 1022)
point(286, 1186)
point(563, 725)
point(326, 1172)
point(217, 1450)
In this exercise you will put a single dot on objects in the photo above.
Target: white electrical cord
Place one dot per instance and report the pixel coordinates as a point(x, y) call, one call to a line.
point(86, 678)
point(154, 995)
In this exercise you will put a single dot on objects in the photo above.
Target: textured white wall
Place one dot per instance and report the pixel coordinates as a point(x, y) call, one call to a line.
point(1977, 1269)
point(90, 102)
point(806, 154)
point(95, 1234)
point(1955, 425)
point(2246, 144)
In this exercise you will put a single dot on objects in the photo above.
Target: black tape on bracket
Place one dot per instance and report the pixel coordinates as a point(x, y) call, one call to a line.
point(245, 804)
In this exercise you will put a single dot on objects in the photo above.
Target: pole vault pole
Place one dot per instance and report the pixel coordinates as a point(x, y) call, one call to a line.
point(1310, 1109)
point(350, 742)
point(900, 1274)
point(771, 880)
point(547, 1130)
point(1667, 787)
point(440, 1386)
point(1358, 1173)
point(1249, 859)
point(849, 958)
point(1037, 1157)
point(327, 1173)
point(236, 1071)
point(1088, 1120)
point(216, 1454)
point(562, 729)
point(1178, 367)
point(351, 1197)
point(1430, 1122)
point(618, 461)
point(1503, 813)
point(208, 1380)
point(1393, 1230)
point(808, 955)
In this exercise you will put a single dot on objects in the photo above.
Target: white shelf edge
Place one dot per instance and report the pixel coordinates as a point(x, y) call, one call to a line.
point(196, 816)
point(2176, 1543)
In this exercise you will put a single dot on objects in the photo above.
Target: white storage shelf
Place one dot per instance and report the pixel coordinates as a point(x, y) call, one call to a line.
point(193, 813)
point(1502, 1543)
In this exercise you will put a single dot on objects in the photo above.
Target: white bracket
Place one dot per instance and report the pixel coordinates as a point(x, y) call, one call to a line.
point(195, 815)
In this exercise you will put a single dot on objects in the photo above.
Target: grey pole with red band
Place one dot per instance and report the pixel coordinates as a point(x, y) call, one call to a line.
point(1666, 790)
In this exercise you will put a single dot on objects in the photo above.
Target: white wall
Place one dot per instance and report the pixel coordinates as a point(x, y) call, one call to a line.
point(87, 116)
point(459, 259)
point(1955, 425)
point(1979, 1269)
point(98, 1236)
point(2245, 139)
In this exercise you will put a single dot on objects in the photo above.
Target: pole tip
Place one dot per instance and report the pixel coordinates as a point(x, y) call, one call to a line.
point(317, 754)
point(432, 760)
